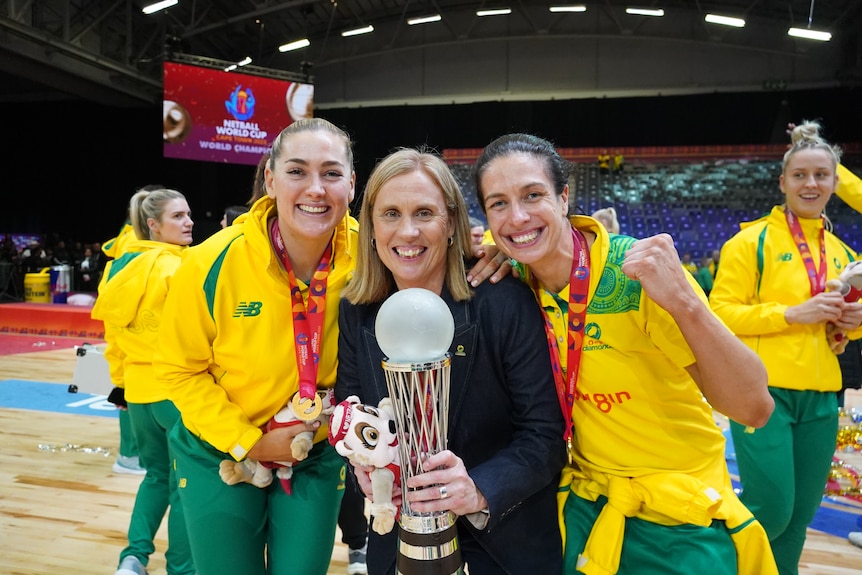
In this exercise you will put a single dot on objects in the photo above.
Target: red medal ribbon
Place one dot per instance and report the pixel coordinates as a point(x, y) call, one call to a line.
point(307, 321)
point(579, 290)
point(817, 278)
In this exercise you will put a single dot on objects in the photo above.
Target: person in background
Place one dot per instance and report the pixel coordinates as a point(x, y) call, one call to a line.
point(608, 218)
point(703, 276)
point(477, 230)
point(770, 291)
point(230, 215)
point(127, 461)
point(648, 467)
point(687, 264)
point(505, 448)
point(130, 303)
point(88, 272)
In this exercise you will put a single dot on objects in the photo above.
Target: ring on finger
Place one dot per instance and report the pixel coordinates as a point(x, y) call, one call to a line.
point(443, 493)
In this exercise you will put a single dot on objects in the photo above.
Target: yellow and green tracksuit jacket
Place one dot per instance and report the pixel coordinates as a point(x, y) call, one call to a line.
point(226, 349)
point(752, 303)
point(113, 248)
point(644, 436)
point(849, 188)
point(130, 303)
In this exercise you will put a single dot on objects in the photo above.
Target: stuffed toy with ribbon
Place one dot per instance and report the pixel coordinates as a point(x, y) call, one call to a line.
point(259, 473)
point(366, 436)
point(849, 284)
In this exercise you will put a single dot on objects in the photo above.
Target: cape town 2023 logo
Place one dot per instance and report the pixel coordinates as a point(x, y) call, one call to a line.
point(240, 105)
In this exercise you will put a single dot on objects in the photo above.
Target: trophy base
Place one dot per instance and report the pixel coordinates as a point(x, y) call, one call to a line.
point(428, 546)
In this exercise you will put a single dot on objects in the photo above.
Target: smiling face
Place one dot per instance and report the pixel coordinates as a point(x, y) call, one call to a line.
point(808, 181)
point(525, 214)
point(412, 229)
point(175, 224)
point(312, 182)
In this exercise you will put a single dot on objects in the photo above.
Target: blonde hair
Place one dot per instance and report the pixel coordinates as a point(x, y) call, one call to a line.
point(147, 204)
point(608, 218)
point(372, 281)
point(806, 136)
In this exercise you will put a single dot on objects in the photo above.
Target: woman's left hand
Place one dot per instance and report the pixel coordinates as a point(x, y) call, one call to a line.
point(492, 263)
point(447, 488)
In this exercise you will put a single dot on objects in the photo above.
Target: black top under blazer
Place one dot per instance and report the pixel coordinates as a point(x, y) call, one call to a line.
point(505, 423)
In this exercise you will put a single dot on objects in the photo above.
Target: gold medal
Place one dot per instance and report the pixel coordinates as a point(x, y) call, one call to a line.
point(306, 408)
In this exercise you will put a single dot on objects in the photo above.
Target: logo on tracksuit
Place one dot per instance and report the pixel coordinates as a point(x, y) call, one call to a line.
point(248, 309)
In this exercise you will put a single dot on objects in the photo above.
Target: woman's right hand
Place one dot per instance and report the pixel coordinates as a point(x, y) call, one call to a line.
point(824, 307)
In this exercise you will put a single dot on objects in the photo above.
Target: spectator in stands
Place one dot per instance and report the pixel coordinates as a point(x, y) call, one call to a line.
point(608, 218)
point(8, 252)
point(687, 264)
point(131, 301)
point(88, 272)
point(230, 214)
point(618, 161)
point(34, 258)
point(713, 262)
point(651, 473)
point(770, 290)
point(604, 161)
point(477, 230)
point(704, 276)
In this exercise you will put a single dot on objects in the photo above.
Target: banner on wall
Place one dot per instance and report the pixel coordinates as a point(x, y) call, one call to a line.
point(229, 117)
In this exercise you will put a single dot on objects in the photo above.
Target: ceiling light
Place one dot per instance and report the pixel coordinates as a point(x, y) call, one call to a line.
point(358, 31)
point(425, 19)
point(645, 11)
point(244, 62)
point(574, 8)
point(294, 45)
point(810, 34)
point(494, 12)
point(231, 68)
point(725, 20)
point(155, 7)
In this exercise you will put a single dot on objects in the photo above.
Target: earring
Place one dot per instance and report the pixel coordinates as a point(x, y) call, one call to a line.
point(373, 243)
point(449, 241)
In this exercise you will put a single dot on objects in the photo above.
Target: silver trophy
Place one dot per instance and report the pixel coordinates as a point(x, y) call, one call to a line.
point(414, 328)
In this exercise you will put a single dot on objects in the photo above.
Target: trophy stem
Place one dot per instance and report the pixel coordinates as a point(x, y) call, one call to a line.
point(427, 542)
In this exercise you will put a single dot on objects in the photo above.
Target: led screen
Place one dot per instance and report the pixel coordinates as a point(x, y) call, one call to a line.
point(230, 117)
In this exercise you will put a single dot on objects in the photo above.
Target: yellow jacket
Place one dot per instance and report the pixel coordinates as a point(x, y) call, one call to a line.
point(752, 305)
point(849, 188)
point(114, 248)
point(226, 349)
point(131, 298)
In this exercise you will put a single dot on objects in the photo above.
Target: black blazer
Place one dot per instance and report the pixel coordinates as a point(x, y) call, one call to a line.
point(505, 423)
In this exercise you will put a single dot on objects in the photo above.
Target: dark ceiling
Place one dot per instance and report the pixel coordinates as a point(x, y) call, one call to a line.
point(108, 51)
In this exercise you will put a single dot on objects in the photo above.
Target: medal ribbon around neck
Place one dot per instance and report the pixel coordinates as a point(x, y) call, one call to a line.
point(307, 327)
point(579, 290)
point(817, 278)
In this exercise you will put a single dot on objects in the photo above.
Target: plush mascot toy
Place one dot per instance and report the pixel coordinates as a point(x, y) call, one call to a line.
point(259, 473)
point(366, 436)
point(849, 284)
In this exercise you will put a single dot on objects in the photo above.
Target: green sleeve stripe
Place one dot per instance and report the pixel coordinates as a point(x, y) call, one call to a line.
point(212, 279)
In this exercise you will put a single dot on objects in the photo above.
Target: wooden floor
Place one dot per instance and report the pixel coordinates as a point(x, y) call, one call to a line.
point(62, 509)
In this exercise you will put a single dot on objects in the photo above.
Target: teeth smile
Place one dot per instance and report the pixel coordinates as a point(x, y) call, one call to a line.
point(313, 209)
point(409, 252)
point(525, 238)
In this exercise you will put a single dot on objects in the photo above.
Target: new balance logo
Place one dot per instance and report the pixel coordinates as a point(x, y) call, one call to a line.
point(248, 309)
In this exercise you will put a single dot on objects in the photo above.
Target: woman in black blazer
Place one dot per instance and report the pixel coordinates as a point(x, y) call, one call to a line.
point(506, 450)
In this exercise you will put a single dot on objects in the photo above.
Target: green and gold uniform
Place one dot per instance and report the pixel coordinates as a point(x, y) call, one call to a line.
point(784, 465)
point(648, 469)
point(131, 299)
point(227, 358)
